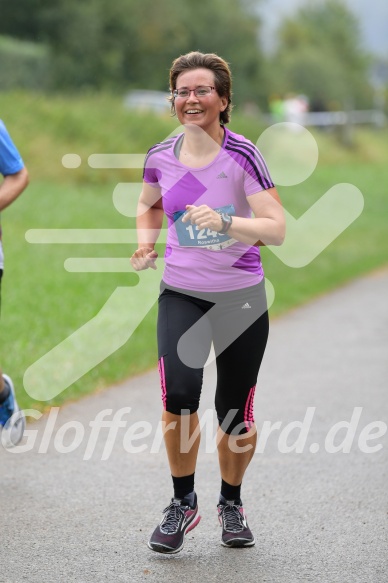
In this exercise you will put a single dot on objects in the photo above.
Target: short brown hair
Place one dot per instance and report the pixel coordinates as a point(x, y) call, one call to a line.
point(211, 61)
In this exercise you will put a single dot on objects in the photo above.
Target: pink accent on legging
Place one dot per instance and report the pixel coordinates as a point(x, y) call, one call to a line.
point(162, 380)
point(248, 411)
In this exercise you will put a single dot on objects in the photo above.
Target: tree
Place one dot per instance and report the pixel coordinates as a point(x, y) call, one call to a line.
point(320, 54)
point(21, 19)
point(131, 43)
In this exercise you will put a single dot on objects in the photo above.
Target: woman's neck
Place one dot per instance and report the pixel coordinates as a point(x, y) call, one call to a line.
point(197, 142)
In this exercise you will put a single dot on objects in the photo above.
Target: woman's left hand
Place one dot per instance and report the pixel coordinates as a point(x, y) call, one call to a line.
point(203, 216)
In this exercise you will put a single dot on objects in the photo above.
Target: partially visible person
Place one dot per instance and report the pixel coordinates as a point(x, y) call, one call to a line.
point(276, 108)
point(15, 180)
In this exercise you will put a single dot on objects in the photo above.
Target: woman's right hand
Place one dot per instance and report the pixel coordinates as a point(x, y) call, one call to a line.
point(143, 258)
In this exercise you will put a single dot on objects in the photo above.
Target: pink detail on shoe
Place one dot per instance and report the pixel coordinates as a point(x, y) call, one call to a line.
point(193, 524)
point(162, 380)
point(248, 411)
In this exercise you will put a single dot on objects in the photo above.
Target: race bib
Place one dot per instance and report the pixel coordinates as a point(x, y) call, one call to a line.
point(191, 236)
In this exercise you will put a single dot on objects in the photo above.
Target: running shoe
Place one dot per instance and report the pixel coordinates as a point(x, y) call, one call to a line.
point(235, 529)
point(11, 418)
point(179, 518)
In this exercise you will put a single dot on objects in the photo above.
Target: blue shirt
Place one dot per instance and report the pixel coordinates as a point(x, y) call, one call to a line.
point(10, 163)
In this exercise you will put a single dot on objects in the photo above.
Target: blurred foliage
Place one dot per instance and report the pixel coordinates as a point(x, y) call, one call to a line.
point(116, 45)
point(320, 54)
point(23, 64)
point(131, 43)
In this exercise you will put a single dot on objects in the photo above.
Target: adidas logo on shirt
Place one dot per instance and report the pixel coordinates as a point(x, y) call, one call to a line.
point(246, 306)
point(222, 175)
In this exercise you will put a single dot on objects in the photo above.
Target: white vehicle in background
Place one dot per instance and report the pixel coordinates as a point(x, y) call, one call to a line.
point(147, 100)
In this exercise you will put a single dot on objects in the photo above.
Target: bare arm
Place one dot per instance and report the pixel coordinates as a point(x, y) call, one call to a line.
point(149, 223)
point(12, 186)
point(268, 226)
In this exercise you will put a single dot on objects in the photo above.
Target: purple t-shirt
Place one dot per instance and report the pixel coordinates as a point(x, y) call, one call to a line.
point(203, 260)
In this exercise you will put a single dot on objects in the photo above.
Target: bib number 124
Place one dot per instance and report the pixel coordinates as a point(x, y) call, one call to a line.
point(196, 233)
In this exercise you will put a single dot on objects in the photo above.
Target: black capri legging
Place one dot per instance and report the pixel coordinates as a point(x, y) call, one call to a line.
point(237, 324)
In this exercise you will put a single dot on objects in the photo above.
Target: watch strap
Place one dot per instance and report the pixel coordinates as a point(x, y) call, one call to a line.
point(226, 223)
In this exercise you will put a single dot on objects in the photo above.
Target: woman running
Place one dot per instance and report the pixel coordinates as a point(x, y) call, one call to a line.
point(221, 204)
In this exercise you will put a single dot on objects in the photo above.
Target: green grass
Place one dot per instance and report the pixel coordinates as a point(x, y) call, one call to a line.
point(43, 303)
point(361, 248)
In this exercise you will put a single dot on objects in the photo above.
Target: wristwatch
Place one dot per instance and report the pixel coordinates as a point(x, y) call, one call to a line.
point(226, 223)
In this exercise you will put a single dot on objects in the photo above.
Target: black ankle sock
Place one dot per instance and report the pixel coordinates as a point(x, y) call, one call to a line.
point(5, 392)
point(230, 492)
point(183, 486)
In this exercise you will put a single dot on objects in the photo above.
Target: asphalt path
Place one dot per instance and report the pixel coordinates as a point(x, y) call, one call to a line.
point(79, 504)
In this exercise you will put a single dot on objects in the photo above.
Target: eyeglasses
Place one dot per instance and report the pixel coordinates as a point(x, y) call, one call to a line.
point(200, 91)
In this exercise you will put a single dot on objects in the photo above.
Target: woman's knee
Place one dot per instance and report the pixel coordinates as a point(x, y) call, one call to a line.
point(235, 415)
point(181, 390)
